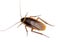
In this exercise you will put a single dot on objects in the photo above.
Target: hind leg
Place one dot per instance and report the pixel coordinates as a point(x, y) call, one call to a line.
point(44, 21)
point(38, 33)
point(41, 20)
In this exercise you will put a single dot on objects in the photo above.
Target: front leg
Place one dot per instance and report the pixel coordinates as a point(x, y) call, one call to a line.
point(35, 16)
point(26, 30)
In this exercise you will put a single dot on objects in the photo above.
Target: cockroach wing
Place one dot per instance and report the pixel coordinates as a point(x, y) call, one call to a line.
point(38, 25)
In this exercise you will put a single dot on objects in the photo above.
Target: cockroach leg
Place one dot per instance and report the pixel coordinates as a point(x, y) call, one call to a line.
point(26, 30)
point(26, 14)
point(35, 16)
point(19, 25)
point(31, 29)
point(44, 21)
point(39, 33)
point(41, 20)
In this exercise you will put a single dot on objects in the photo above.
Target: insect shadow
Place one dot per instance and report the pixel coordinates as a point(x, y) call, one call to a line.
point(33, 23)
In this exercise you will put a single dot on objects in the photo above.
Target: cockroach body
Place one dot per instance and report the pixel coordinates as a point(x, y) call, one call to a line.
point(34, 24)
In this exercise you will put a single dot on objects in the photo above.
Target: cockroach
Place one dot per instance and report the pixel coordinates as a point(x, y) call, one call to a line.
point(32, 23)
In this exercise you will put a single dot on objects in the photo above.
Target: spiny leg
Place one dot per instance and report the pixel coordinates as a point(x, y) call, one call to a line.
point(35, 16)
point(26, 30)
point(44, 21)
point(41, 20)
point(19, 25)
point(39, 33)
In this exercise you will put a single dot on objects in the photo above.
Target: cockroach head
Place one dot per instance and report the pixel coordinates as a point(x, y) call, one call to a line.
point(23, 19)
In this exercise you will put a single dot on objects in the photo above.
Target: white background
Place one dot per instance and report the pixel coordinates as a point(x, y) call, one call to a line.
point(10, 14)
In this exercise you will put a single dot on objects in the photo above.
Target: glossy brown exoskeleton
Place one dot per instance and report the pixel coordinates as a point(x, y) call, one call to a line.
point(34, 24)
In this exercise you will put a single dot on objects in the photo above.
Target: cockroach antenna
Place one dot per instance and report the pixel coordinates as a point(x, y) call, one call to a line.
point(10, 26)
point(20, 8)
point(16, 22)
